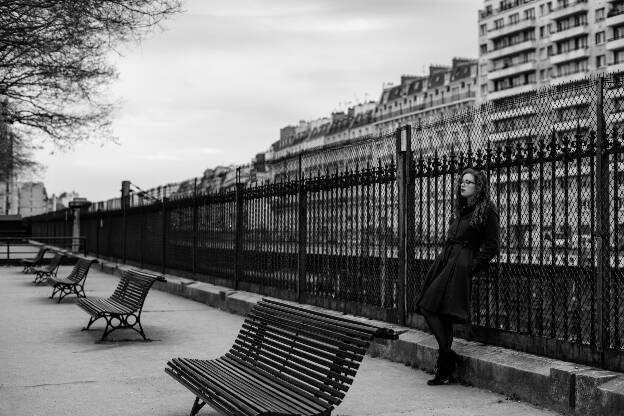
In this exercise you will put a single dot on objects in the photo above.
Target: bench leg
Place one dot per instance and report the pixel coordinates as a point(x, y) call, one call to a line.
point(40, 277)
point(91, 321)
point(140, 330)
point(79, 293)
point(66, 290)
point(123, 324)
point(55, 290)
point(63, 292)
point(197, 406)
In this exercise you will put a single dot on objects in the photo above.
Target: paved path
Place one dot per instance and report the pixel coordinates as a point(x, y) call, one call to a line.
point(48, 366)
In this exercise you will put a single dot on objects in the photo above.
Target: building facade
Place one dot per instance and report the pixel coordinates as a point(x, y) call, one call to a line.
point(526, 44)
point(445, 90)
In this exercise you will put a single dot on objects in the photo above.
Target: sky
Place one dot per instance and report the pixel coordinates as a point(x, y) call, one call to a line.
point(214, 87)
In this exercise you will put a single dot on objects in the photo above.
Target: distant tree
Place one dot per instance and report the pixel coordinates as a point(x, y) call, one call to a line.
point(53, 62)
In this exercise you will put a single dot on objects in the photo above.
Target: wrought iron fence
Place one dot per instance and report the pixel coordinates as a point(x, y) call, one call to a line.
point(355, 228)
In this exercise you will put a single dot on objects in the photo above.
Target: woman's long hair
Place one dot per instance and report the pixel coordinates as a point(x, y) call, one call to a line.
point(482, 201)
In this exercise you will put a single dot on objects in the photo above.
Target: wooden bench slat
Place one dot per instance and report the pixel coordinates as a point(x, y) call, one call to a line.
point(226, 392)
point(303, 359)
point(295, 368)
point(283, 378)
point(293, 386)
point(303, 319)
point(322, 335)
point(326, 321)
point(320, 381)
point(260, 389)
point(344, 321)
point(337, 331)
point(310, 345)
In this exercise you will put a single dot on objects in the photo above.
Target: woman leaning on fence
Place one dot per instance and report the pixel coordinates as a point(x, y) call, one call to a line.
point(472, 241)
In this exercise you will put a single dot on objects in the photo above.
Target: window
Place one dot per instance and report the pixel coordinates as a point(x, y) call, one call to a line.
point(514, 18)
point(483, 29)
point(543, 74)
point(541, 10)
point(542, 53)
point(499, 23)
point(542, 31)
point(529, 14)
point(600, 38)
point(600, 16)
point(483, 49)
point(484, 89)
point(601, 61)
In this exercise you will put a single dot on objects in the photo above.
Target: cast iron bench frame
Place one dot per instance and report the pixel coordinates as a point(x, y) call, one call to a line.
point(286, 360)
point(44, 272)
point(122, 310)
point(30, 264)
point(74, 282)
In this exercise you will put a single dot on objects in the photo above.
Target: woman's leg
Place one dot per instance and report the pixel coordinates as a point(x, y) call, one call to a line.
point(438, 327)
point(447, 323)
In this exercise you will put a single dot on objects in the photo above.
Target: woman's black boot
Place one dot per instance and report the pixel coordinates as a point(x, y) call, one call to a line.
point(446, 365)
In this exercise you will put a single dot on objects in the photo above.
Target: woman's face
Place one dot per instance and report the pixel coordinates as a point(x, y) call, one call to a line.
point(468, 186)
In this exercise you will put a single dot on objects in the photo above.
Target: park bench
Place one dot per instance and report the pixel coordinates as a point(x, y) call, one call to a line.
point(74, 282)
point(286, 360)
point(123, 308)
point(30, 264)
point(42, 273)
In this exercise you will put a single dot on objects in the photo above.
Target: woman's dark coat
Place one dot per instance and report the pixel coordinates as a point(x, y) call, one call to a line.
point(468, 249)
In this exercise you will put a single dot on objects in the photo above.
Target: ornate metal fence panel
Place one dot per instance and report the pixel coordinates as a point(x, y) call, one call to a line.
point(216, 235)
point(351, 215)
point(179, 233)
point(613, 214)
point(269, 238)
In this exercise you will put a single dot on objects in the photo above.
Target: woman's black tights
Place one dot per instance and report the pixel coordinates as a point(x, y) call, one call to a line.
point(442, 328)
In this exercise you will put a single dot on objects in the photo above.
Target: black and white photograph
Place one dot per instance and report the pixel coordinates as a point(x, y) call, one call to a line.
point(319, 208)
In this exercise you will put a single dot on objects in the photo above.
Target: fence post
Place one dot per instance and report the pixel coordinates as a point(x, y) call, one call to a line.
point(238, 239)
point(602, 225)
point(194, 252)
point(239, 231)
point(403, 152)
point(303, 225)
point(164, 234)
point(125, 201)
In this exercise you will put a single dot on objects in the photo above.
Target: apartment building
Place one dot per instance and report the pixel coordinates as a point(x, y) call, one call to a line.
point(525, 44)
point(446, 89)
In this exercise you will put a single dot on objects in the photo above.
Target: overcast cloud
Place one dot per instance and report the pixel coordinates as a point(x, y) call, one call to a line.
point(217, 85)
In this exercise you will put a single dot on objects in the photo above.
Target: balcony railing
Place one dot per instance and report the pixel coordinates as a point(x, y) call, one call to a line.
point(572, 72)
point(449, 99)
point(615, 12)
point(514, 86)
point(512, 64)
point(616, 37)
point(509, 45)
point(569, 28)
point(519, 22)
point(568, 5)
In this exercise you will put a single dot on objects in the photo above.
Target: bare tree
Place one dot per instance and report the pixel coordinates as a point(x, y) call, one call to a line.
point(53, 61)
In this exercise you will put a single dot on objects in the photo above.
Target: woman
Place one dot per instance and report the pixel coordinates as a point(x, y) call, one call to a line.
point(472, 241)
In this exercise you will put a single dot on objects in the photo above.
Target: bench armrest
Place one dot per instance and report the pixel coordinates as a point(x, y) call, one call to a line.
point(389, 333)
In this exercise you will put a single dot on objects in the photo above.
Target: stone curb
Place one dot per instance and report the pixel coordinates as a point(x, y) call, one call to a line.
point(568, 388)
